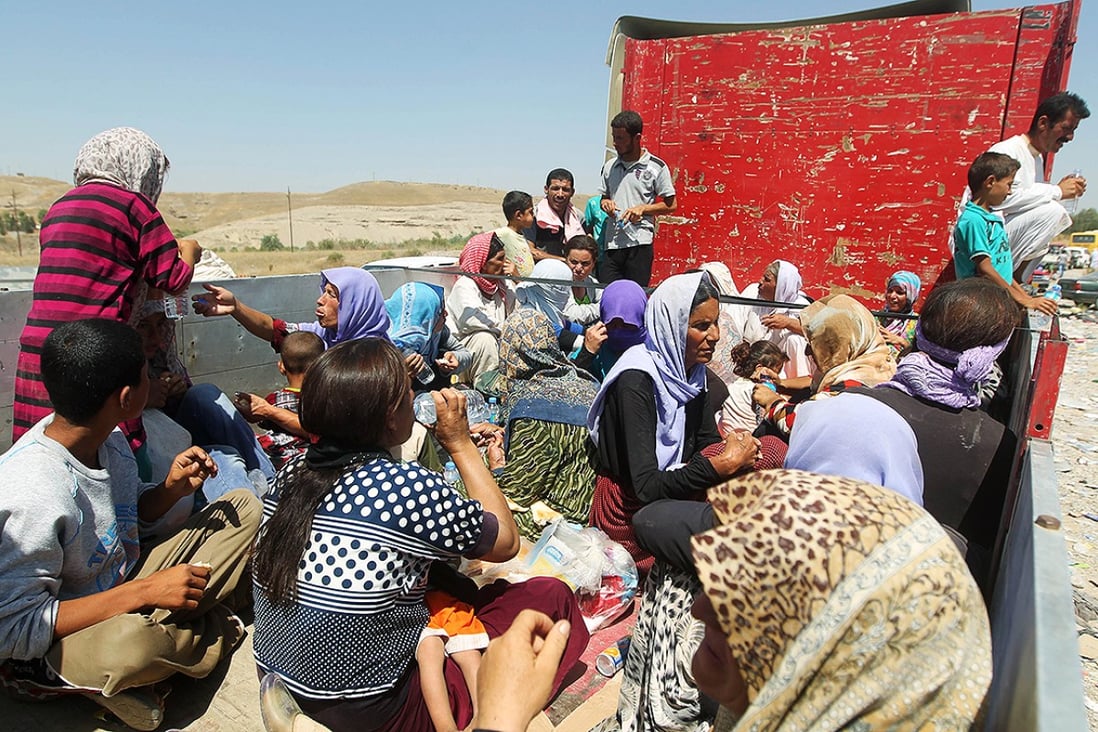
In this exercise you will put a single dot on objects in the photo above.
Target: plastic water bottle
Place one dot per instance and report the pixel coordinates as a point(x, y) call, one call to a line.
point(175, 308)
point(475, 408)
point(1077, 173)
point(628, 228)
point(426, 374)
point(424, 407)
point(1039, 321)
point(450, 473)
point(493, 410)
point(1054, 292)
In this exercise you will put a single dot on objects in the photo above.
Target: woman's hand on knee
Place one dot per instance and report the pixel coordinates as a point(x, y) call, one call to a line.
point(741, 450)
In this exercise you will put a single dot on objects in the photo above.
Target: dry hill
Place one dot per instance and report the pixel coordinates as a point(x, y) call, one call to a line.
point(192, 212)
point(352, 224)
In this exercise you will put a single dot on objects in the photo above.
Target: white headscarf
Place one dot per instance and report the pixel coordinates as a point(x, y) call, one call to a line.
point(742, 320)
point(788, 287)
point(549, 299)
point(124, 157)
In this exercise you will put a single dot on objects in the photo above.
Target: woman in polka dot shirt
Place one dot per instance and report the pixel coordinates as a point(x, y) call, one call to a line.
point(349, 536)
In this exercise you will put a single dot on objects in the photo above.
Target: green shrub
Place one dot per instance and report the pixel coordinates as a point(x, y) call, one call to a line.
point(271, 243)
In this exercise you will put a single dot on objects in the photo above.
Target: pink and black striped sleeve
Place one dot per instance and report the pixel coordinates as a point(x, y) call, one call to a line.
point(159, 252)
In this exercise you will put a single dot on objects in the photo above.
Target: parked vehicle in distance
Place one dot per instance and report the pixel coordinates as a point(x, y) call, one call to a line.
point(1078, 257)
point(1085, 239)
point(1082, 290)
point(1040, 277)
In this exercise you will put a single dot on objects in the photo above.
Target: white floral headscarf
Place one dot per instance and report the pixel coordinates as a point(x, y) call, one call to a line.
point(123, 157)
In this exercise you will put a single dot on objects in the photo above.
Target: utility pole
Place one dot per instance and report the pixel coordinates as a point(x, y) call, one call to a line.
point(15, 221)
point(290, 214)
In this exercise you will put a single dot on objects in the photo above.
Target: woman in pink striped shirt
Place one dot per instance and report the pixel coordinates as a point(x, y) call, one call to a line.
point(103, 244)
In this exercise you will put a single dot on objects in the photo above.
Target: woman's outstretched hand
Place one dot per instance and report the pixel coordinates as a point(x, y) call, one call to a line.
point(217, 301)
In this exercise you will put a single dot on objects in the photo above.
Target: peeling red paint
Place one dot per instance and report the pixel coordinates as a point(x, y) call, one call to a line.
point(842, 148)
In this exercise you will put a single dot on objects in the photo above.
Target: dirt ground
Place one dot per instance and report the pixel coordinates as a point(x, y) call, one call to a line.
point(1076, 449)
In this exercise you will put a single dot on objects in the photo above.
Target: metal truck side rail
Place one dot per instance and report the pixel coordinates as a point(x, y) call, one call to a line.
point(1038, 675)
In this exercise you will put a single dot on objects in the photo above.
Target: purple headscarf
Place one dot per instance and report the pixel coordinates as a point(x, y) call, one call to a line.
point(624, 300)
point(949, 378)
point(662, 356)
point(829, 438)
point(361, 307)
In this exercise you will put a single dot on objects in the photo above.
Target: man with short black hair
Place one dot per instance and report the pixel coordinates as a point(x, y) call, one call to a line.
point(630, 185)
point(556, 220)
point(84, 607)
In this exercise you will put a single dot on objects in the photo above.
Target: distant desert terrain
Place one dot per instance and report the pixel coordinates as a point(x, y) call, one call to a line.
point(353, 224)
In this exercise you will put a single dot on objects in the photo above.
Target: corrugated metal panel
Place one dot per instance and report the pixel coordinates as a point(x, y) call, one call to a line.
point(14, 307)
point(215, 350)
point(1037, 684)
point(840, 147)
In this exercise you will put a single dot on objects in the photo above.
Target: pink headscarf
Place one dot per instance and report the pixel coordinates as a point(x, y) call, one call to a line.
point(472, 260)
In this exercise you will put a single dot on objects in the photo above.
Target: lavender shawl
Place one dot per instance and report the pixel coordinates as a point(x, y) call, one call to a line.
point(661, 356)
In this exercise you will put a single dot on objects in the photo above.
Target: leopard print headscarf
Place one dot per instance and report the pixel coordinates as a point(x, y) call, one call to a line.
point(845, 605)
point(124, 157)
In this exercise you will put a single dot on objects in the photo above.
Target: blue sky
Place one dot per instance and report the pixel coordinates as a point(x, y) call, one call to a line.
point(315, 95)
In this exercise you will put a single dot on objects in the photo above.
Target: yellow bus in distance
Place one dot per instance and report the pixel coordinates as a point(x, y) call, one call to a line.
point(1085, 239)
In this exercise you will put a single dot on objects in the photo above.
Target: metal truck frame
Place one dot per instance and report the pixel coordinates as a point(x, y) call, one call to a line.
point(734, 140)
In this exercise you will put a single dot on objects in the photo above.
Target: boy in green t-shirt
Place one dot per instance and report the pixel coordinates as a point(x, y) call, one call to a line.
point(981, 248)
point(518, 208)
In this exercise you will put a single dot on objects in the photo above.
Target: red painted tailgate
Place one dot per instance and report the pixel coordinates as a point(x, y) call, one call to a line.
point(839, 147)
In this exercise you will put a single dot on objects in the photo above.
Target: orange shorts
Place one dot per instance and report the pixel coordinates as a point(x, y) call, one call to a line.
point(455, 622)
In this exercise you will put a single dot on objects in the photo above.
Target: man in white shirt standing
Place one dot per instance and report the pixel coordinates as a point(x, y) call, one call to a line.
point(1033, 211)
point(630, 185)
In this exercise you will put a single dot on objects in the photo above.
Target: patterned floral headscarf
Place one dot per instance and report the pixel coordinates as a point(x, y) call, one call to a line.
point(845, 342)
point(528, 347)
point(123, 157)
point(845, 605)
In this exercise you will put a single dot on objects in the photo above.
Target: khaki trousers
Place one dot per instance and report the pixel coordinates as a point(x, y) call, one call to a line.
point(485, 349)
point(138, 649)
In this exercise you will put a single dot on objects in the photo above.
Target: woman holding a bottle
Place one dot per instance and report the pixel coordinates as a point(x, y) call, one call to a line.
point(417, 326)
